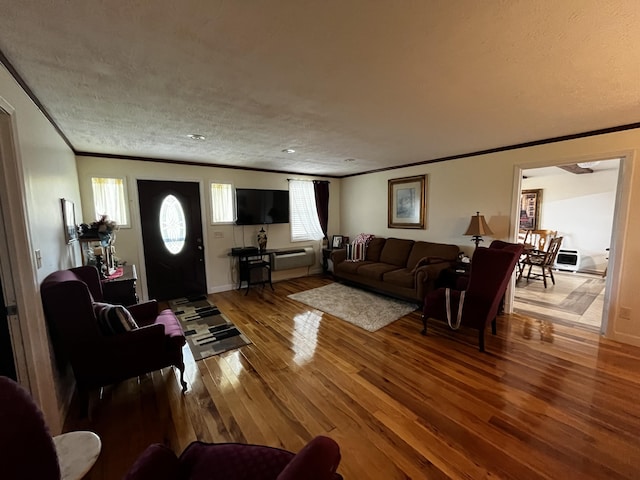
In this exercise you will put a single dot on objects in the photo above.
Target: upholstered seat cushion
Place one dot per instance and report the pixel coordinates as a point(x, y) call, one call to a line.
point(350, 267)
point(375, 270)
point(172, 327)
point(402, 277)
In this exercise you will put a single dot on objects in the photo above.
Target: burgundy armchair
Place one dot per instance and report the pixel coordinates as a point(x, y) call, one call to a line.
point(318, 460)
point(99, 359)
point(491, 269)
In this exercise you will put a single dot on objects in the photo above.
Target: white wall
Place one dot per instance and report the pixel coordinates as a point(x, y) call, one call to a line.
point(458, 188)
point(580, 208)
point(49, 172)
point(221, 269)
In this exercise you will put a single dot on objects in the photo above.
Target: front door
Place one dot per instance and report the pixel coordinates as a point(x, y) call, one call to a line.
point(172, 238)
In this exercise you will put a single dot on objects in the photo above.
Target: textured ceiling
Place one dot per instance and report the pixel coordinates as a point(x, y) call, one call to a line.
point(386, 83)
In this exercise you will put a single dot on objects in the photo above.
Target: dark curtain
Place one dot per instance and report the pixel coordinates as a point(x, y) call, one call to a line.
point(321, 189)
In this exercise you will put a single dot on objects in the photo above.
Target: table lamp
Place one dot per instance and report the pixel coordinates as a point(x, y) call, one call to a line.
point(477, 228)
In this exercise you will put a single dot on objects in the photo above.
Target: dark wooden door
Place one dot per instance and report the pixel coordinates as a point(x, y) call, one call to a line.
point(172, 238)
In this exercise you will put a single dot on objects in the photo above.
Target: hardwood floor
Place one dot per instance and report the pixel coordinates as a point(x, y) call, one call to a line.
point(399, 404)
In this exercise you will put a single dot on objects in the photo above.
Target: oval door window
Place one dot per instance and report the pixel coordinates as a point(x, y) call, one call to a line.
point(173, 226)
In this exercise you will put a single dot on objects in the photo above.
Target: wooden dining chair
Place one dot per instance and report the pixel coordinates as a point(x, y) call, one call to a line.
point(544, 259)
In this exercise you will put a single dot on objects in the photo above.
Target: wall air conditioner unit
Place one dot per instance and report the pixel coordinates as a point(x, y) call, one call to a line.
point(568, 260)
point(295, 258)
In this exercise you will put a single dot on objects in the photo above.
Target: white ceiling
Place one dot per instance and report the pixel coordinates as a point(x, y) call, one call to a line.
point(386, 83)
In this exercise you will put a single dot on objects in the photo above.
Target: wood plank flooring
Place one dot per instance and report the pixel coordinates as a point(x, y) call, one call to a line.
point(562, 406)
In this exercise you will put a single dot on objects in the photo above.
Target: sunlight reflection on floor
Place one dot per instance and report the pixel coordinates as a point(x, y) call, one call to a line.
point(305, 339)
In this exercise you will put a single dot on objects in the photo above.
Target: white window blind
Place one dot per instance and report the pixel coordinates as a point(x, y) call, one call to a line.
point(222, 203)
point(109, 199)
point(304, 216)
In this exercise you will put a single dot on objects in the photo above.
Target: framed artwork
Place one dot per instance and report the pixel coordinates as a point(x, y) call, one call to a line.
point(530, 201)
point(337, 241)
point(69, 220)
point(407, 202)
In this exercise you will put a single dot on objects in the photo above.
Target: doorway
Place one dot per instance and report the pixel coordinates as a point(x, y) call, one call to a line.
point(172, 239)
point(579, 202)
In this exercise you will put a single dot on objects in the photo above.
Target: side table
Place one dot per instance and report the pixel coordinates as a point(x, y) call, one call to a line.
point(121, 290)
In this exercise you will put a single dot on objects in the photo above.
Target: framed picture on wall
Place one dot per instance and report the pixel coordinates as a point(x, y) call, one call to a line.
point(407, 202)
point(530, 201)
point(69, 220)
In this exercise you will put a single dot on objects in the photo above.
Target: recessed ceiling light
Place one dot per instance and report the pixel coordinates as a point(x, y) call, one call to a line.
point(196, 136)
point(288, 150)
point(349, 159)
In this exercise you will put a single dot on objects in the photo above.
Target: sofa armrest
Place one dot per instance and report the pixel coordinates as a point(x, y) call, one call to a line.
point(338, 256)
point(431, 271)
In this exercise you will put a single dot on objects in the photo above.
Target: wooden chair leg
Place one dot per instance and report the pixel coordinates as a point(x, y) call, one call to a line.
point(544, 277)
point(494, 327)
point(481, 339)
point(553, 280)
point(424, 324)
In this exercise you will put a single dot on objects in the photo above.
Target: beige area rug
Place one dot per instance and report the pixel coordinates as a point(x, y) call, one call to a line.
point(364, 309)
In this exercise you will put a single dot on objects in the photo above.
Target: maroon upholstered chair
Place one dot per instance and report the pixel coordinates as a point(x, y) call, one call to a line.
point(26, 446)
point(98, 359)
point(491, 269)
point(318, 460)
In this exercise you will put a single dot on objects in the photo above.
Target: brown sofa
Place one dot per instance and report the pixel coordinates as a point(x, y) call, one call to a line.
point(397, 267)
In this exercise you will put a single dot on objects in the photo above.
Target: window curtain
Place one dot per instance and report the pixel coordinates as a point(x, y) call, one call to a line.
point(222, 204)
point(109, 199)
point(321, 189)
point(304, 216)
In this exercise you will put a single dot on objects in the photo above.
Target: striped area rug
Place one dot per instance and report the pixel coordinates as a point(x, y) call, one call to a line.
point(207, 330)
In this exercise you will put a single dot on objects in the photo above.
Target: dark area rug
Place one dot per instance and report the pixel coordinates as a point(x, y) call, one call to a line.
point(207, 330)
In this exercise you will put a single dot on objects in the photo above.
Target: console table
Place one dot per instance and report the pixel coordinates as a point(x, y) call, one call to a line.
point(253, 268)
point(121, 290)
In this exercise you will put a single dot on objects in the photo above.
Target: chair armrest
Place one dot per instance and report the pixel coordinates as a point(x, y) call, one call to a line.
point(144, 311)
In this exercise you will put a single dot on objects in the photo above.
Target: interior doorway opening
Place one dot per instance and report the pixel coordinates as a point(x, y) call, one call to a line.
point(577, 202)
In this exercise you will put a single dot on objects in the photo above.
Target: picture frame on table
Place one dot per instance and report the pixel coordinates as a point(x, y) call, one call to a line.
point(69, 220)
point(530, 202)
point(407, 204)
point(337, 241)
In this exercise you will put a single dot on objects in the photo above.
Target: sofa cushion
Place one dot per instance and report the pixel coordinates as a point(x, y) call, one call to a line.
point(349, 267)
point(429, 252)
point(113, 319)
point(374, 248)
point(396, 251)
point(402, 277)
point(375, 271)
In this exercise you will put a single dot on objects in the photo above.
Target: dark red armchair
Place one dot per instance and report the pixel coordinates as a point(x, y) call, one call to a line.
point(491, 269)
point(99, 359)
point(318, 460)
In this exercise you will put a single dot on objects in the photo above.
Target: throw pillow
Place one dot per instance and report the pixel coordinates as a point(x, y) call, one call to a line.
point(356, 252)
point(113, 319)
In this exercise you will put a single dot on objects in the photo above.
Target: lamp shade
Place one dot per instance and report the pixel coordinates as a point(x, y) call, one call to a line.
point(478, 226)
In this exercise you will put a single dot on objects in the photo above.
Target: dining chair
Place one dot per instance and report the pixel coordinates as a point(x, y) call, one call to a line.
point(544, 259)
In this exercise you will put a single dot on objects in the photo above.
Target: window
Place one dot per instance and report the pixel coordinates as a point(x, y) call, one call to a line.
point(109, 199)
point(173, 226)
point(304, 216)
point(222, 203)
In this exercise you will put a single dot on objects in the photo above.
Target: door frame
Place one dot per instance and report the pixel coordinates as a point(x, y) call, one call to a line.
point(20, 281)
point(618, 230)
point(135, 216)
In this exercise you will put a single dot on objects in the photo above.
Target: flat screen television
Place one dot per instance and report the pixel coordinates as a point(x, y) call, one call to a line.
point(257, 207)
